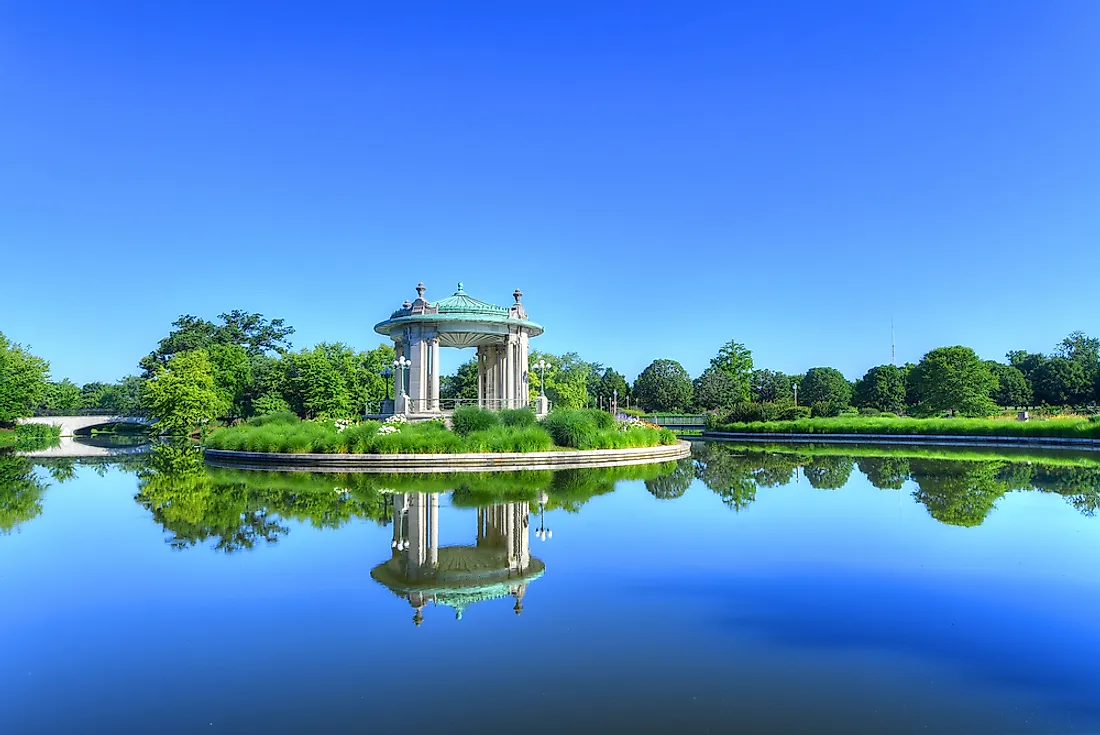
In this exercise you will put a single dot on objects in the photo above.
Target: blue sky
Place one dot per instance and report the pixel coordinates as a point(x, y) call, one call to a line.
point(658, 178)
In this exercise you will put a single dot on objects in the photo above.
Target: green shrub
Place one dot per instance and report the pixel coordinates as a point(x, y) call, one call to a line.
point(869, 411)
point(510, 439)
point(745, 413)
point(517, 417)
point(468, 419)
point(576, 429)
point(887, 415)
point(280, 418)
point(794, 413)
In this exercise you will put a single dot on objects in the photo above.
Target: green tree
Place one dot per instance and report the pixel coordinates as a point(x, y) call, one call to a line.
point(62, 396)
point(1024, 361)
point(1012, 387)
point(1060, 381)
point(955, 379)
point(885, 473)
point(252, 332)
point(735, 360)
point(182, 394)
point(726, 473)
point(663, 386)
point(883, 388)
point(315, 387)
point(232, 375)
point(567, 380)
point(715, 390)
point(20, 492)
point(828, 472)
point(270, 403)
point(959, 493)
point(769, 386)
point(826, 389)
point(23, 380)
point(610, 381)
point(462, 385)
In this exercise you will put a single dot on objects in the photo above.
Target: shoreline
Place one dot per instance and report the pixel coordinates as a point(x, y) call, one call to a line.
point(930, 439)
point(434, 463)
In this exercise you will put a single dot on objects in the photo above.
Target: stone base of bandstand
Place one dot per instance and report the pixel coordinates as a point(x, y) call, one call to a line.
point(444, 463)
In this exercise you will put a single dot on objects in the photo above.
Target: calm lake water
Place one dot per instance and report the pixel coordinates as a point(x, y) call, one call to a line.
point(788, 590)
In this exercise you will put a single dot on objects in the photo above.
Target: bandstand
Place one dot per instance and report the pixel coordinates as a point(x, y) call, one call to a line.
point(419, 329)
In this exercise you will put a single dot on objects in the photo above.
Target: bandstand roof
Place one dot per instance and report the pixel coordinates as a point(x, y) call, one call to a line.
point(460, 314)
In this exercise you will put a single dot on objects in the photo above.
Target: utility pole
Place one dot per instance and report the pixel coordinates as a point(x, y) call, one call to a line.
point(893, 350)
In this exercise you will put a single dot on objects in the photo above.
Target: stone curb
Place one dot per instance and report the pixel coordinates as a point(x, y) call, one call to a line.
point(934, 439)
point(436, 463)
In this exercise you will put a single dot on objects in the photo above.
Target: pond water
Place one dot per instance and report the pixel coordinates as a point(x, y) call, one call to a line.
point(747, 589)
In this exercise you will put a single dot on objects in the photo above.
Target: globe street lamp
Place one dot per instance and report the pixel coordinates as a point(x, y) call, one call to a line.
point(543, 366)
point(386, 375)
point(542, 532)
point(401, 364)
point(615, 405)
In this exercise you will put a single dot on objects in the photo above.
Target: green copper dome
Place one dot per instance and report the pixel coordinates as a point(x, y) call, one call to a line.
point(462, 320)
point(462, 303)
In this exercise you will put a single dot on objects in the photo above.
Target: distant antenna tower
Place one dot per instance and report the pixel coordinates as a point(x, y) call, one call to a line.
point(893, 349)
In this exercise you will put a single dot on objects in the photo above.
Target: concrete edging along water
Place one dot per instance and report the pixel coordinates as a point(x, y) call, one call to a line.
point(930, 439)
point(431, 463)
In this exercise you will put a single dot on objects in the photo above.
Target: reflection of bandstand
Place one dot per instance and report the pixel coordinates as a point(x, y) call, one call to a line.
point(498, 565)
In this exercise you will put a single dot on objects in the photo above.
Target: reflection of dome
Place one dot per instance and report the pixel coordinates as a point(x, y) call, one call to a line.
point(465, 575)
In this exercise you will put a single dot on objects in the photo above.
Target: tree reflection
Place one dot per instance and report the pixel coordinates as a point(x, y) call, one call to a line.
point(20, 492)
point(960, 493)
point(674, 484)
point(885, 473)
point(236, 510)
point(828, 472)
point(726, 473)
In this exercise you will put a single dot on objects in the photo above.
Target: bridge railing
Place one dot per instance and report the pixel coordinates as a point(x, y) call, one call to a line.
point(676, 421)
point(135, 413)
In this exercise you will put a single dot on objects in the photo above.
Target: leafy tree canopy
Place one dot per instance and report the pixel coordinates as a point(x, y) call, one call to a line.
point(883, 388)
point(769, 386)
point(1060, 381)
point(182, 395)
point(715, 389)
point(252, 332)
point(663, 386)
point(955, 379)
point(735, 360)
point(827, 388)
point(23, 381)
point(1012, 387)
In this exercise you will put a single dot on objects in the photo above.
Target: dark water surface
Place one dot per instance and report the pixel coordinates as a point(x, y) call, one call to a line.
point(787, 590)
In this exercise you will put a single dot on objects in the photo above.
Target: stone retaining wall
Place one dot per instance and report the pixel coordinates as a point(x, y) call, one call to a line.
point(432, 463)
point(931, 439)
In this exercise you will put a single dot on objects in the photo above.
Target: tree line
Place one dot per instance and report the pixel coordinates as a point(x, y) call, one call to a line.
point(947, 380)
point(242, 365)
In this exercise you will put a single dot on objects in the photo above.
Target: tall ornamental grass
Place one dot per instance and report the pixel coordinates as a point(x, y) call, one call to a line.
point(468, 419)
point(1063, 428)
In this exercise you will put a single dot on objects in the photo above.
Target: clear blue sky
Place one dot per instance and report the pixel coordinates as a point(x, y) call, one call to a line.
point(658, 178)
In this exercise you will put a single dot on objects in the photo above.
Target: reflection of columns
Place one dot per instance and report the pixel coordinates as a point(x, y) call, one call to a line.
point(422, 553)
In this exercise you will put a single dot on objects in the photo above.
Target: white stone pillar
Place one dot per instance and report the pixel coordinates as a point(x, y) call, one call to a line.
point(507, 367)
point(435, 374)
point(480, 376)
point(418, 375)
point(525, 376)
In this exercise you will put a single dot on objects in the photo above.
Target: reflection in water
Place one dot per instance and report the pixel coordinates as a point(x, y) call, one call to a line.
point(498, 564)
point(959, 488)
point(20, 492)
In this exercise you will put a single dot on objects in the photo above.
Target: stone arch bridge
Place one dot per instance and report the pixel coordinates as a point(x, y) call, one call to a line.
point(81, 420)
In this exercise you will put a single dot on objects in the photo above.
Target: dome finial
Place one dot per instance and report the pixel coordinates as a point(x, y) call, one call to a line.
point(459, 289)
point(517, 295)
point(420, 290)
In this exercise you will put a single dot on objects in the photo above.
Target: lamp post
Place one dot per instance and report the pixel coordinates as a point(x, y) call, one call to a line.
point(401, 364)
point(796, 394)
point(386, 375)
point(543, 366)
point(615, 403)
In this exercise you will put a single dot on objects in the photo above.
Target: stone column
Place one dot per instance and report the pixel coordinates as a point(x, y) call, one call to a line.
point(480, 376)
point(435, 375)
point(418, 375)
point(508, 368)
point(525, 388)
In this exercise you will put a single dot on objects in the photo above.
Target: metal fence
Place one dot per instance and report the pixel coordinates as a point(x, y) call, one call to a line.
point(134, 413)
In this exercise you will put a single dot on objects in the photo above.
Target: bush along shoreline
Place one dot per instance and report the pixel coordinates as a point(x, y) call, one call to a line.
point(30, 437)
point(1068, 428)
point(476, 431)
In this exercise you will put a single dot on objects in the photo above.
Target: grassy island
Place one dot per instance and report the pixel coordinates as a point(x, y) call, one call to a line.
point(474, 430)
point(1064, 428)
